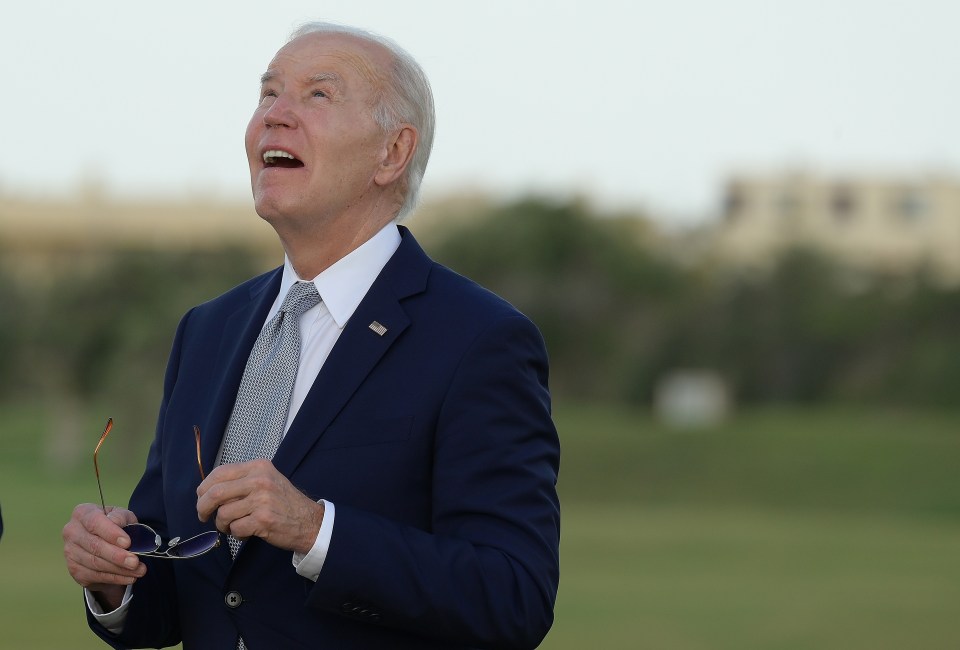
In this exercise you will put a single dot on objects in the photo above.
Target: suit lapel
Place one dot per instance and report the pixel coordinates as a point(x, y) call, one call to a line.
point(357, 351)
point(240, 331)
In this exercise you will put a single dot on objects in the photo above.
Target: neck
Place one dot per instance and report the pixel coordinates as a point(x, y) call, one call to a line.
point(312, 252)
point(314, 242)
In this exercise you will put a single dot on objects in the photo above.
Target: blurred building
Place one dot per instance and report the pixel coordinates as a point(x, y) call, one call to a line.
point(889, 224)
point(41, 234)
point(92, 220)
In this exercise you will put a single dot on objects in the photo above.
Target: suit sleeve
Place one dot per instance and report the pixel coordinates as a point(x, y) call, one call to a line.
point(152, 617)
point(487, 572)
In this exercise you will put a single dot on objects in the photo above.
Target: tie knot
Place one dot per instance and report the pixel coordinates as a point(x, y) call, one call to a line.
point(301, 297)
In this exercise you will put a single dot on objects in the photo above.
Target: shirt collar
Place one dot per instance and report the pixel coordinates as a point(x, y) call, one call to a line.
point(344, 284)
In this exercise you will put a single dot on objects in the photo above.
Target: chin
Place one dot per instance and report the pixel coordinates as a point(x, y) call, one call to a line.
point(268, 212)
point(268, 206)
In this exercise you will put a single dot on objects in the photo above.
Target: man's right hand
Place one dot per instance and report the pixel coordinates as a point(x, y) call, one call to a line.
point(94, 546)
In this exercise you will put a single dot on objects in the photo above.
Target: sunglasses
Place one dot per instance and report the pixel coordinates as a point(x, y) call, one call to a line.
point(144, 540)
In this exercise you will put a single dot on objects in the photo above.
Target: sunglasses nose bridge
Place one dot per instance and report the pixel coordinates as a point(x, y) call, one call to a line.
point(193, 546)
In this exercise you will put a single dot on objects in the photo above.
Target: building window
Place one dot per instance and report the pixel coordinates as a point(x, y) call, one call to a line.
point(912, 205)
point(734, 204)
point(843, 205)
point(788, 204)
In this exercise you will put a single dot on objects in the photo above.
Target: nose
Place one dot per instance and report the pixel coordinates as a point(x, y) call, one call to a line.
point(280, 112)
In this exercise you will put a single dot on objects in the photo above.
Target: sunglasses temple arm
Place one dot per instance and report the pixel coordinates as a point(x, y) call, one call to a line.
point(103, 503)
point(196, 434)
point(96, 467)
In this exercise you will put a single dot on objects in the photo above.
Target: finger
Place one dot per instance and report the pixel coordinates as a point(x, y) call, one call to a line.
point(99, 567)
point(108, 556)
point(219, 494)
point(90, 577)
point(228, 483)
point(261, 508)
point(96, 580)
point(121, 516)
point(280, 515)
point(99, 536)
point(231, 512)
point(254, 523)
point(222, 474)
point(211, 493)
point(242, 528)
point(237, 490)
point(104, 526)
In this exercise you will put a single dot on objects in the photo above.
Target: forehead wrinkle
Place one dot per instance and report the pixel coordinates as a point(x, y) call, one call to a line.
point(363, 64)
point(369, 63)
point(365, 67)
point(323, 77)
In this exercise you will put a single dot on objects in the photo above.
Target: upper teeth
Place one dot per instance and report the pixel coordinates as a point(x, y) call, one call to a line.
point(276, 153)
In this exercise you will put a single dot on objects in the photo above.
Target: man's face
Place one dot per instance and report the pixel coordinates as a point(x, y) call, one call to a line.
point(312, 143)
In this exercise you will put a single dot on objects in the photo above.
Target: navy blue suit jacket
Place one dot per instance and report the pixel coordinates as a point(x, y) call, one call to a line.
point(436, 444)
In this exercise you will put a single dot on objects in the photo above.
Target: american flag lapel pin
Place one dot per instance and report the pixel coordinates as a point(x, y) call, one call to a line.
point(378, 328)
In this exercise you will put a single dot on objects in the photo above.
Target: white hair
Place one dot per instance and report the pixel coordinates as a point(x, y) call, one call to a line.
point(408, 100)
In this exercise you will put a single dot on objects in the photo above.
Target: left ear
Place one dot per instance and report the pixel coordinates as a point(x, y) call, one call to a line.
point(399, 153)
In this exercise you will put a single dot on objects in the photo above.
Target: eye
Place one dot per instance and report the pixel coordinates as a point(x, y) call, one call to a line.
point(319, 93)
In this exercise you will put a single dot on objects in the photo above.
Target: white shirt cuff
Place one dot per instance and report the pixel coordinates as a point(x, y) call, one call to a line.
point(114, 620)
point(309, 565)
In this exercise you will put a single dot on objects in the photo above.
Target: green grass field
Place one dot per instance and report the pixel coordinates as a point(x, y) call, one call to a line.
point(783, 529)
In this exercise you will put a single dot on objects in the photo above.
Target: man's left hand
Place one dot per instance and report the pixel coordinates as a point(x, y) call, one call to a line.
point(253, 499)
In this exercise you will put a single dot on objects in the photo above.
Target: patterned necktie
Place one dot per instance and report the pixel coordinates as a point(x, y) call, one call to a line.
point(260, 413)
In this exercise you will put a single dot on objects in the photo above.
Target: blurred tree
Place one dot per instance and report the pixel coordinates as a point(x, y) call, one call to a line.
point(100, 335)
point(909, 352)
point(775, 336)
point(85, 332)
point(11, 323)
point(601, 299)
point(617, 315)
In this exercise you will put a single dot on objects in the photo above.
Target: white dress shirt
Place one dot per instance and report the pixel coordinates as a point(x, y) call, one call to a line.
point(341, 287)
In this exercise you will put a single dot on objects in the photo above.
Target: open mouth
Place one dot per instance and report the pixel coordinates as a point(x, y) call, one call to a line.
point(277, 158)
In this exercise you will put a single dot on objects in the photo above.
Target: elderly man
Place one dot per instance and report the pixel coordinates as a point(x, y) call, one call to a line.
point(385, 460)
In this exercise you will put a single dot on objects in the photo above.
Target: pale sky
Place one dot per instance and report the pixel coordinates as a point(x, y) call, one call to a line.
point(631, 103)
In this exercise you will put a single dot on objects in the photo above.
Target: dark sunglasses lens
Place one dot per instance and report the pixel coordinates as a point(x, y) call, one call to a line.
point(143, 539)
point(195, 545)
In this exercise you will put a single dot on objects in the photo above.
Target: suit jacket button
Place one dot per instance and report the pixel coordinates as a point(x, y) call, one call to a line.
point(233, 599)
